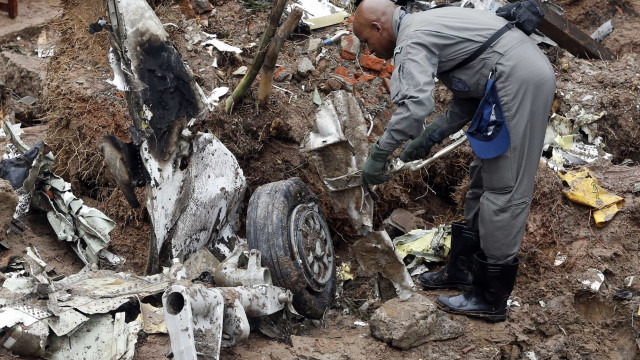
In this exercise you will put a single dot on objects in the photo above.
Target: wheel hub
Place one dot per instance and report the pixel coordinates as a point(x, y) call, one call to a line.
point(312, 245)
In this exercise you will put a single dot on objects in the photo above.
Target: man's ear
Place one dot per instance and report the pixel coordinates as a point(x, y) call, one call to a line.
point(376, 27)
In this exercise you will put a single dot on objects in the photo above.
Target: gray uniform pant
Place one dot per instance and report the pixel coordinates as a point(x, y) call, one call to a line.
point(501, 188)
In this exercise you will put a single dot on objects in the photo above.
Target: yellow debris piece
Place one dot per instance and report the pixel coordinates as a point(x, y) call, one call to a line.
point(344, 272)
point(430, 245)
point(582, 188)
point(152, 319)
point(565, 142)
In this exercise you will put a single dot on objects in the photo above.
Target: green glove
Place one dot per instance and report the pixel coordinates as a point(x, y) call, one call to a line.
point(372, 170)
point(420, 147)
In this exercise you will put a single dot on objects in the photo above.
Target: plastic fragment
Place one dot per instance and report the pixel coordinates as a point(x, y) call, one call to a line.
point(582, 188)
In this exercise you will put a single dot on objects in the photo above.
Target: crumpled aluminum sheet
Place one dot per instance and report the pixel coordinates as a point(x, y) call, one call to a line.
point(68, 322)
point(338, 146)
point(101, 337)
point(71, 220)
point(107, 284)
point(28, 340)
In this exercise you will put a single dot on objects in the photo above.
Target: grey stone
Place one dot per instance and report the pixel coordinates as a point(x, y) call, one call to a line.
point(305, 67)
point(632, 283)
point(202, 6)
point(314, 44)
point(592, 280)
point(333, 85)
point(413, 322)
point(350, 46)
point(241, 71)
point(282, 76)
point(203, 260)
point(554, 348)
point(29, 100)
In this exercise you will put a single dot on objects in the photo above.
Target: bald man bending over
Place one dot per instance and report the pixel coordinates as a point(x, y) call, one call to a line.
point(427, 44)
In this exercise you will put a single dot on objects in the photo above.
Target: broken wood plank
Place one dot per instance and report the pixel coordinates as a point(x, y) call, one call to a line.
point(570, 37)
point(11, 6)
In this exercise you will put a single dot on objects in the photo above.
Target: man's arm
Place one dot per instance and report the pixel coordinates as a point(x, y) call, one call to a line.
point(459, 113)
point(412, 85)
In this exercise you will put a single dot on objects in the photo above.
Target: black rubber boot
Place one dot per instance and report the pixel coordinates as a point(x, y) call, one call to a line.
point(457, 273)
point(490, 289)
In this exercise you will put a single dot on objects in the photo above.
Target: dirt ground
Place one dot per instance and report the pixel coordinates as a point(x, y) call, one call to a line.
point(556, 319)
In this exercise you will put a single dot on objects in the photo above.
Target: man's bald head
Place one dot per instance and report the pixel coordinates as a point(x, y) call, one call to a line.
point(373, 26)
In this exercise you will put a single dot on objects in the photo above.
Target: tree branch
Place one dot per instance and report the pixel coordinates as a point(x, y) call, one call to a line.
point(268, 68)
point(247, 80)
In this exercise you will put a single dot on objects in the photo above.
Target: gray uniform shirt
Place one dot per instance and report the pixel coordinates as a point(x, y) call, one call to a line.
point(429, 43)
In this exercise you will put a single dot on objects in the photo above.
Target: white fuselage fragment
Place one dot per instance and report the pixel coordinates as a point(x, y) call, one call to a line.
point(191, 206)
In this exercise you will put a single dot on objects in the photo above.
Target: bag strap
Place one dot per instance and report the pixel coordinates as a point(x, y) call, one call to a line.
point(483, 47)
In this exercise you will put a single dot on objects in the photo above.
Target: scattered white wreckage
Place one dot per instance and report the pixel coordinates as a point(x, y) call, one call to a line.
point(81, 314)
point(194, 193)
point(564, 140)
point(97, 314)
point(86, 228)
point(319, 14)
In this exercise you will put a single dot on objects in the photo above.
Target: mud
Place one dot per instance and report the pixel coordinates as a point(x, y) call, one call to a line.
point(31, 14)
point(8, 201)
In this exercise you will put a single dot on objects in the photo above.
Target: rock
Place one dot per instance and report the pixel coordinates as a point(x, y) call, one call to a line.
point(366, 77)
point(27, 109)
point(387, 85)
point(405, 221)
point(280, 129)
point(347, 80)
point(305, 67)
point(202, 6)
point(8, 203)
point(323, 63)
point(333, 85)
point(591, 280)
point(389, 67)
point(282, 75)
point(350, 47)
point(387, 70)
point(314, 44)
point(371, 62)
point(28, 100)
point(605, 254)
point(202, 261)
point(342, 71)
point(632, 283)
point(554, 348)
point(406, 324)
point(240, 71)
